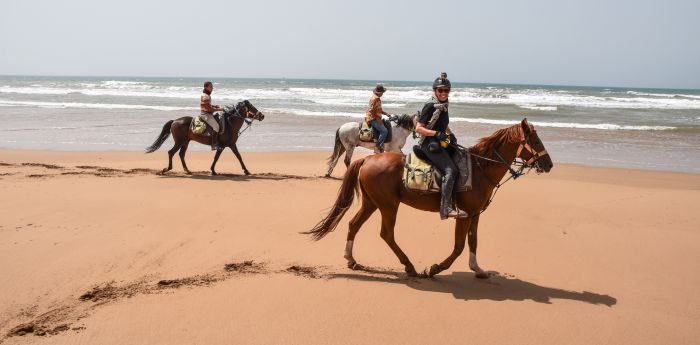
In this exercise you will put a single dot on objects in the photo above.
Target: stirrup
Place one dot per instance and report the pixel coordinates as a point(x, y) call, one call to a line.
point(454, 213)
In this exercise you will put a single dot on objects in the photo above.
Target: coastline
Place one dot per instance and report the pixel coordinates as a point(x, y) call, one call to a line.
point(96, 241)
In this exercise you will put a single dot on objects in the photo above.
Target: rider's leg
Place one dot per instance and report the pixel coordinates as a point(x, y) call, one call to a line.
point(211, 121)
point(383, 132)
point(441, 159)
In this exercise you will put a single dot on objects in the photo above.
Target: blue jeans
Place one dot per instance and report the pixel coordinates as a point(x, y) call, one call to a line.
point(383, 132)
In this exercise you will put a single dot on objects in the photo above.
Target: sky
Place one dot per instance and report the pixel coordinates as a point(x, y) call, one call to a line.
point(638, 43)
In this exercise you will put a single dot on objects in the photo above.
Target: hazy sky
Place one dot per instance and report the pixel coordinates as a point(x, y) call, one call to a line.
point(608, 43)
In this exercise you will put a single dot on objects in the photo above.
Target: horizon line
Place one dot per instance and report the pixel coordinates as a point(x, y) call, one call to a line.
point(342, 79)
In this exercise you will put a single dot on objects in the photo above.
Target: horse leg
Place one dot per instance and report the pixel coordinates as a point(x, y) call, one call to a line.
point(461, 227)
point(338, 151)
point(348, 154)
point(366, 210)
point(481, 274)
point(171, 153)
point(388, 223)
point(216, 159)
point(183, 150)
point(234, 148)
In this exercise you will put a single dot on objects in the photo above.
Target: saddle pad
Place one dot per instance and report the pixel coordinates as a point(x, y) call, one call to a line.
point(198, 126)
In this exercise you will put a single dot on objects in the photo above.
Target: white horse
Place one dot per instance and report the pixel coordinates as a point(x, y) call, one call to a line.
point(347, 138)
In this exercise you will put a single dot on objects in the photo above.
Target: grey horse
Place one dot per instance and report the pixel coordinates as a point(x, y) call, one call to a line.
point(347, 138)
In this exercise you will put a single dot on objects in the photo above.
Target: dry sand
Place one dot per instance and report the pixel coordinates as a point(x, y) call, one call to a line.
point(95, 248)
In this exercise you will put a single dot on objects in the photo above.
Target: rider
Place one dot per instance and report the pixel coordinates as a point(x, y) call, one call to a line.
point(374, 116)
point(433, 126)
point(207, 113)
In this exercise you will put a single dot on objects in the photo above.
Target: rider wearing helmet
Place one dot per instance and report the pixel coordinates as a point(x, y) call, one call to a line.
point(433, 126)
point(207, 113)
point(374, 116)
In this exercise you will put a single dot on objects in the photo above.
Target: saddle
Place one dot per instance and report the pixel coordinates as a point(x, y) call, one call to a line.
point(369, 134)
point(200, 127)
point(419, 175)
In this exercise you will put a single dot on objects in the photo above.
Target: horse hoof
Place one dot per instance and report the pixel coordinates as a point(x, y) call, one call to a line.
point(355, 266)
point(213, 173)
point(164, 170)
point(411, 272)
point(481, 274)
point(434, 269)
point(188, 172)
point(246, 173)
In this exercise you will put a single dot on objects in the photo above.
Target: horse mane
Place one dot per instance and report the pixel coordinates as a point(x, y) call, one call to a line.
point(487, 145)
point(405, 121)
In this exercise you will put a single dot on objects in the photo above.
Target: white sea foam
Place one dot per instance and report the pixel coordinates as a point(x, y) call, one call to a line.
point(602, 126)
point(61, 105)
point(537, 107)
point(304, 112)
point(539, 99)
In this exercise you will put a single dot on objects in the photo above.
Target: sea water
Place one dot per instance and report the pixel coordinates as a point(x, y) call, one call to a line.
point(604, 126)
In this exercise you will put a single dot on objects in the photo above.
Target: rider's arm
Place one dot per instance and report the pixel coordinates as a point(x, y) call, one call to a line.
point(420, 129)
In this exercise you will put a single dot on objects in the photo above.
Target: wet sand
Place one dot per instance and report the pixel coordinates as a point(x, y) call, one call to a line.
point(96, 248)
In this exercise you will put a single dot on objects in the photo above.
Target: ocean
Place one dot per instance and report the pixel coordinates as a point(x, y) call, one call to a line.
point(656, 129)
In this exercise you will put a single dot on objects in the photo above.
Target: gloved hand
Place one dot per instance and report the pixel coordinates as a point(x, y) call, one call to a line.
point(440, 136)
point(453, 138)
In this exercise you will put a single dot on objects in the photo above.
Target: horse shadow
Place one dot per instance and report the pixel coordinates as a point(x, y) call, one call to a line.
point(465, 286)
point(201, 175)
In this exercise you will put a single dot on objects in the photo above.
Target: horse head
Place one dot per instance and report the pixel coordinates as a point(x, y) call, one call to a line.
point(246, 110)
point(532, 150)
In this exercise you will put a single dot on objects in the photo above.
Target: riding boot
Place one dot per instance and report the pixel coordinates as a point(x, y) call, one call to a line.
point(446, 210)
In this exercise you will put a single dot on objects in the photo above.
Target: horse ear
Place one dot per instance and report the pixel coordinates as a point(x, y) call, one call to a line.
point(526, 126)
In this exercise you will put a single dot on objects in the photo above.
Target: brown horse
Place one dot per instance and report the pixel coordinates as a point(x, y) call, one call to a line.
point(379, 178)
point(234, 118)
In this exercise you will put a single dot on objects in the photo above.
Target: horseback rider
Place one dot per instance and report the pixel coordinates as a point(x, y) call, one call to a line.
point(374, 116)
point(207, 114)
point(433, 126)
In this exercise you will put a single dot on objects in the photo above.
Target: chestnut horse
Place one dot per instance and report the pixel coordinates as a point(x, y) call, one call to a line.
point(379, 178)
point(234, 117)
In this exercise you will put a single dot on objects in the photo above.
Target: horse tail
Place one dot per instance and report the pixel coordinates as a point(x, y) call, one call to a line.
point(164, 134)
point(346, 194)
point(337, 149)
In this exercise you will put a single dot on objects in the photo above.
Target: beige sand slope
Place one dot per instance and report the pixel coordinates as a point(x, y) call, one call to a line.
point(97, 249)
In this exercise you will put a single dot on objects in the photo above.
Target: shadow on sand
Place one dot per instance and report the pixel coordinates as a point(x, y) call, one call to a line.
point(465, 286)
point(201, 175)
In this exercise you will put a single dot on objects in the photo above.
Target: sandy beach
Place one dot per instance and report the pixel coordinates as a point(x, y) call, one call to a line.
point(96, 248)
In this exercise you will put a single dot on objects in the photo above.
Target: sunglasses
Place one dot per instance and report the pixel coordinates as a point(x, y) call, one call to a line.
point(443, 90)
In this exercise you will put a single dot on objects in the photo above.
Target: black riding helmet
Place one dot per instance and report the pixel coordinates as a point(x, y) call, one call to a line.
point(442, 81)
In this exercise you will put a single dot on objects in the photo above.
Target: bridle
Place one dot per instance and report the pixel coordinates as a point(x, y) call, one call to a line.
point(522, 164)
point(247, 118)
point(525, 145)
